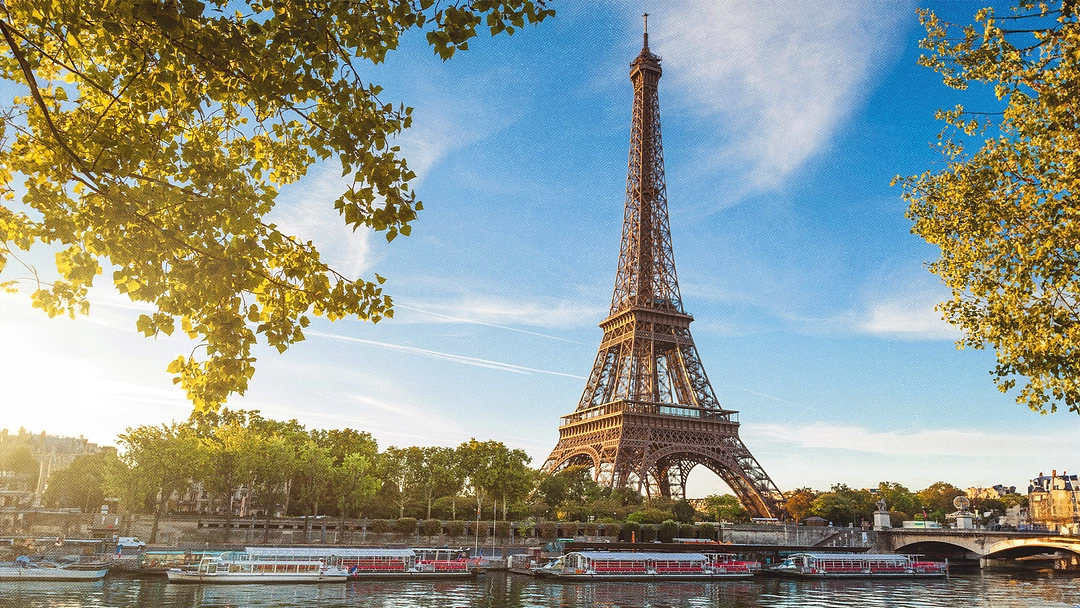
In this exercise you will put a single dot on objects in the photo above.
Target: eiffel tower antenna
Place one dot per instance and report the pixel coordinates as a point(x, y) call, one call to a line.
point(648, 414)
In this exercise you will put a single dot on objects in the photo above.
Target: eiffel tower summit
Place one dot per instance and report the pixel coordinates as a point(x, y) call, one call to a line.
point(648, 414)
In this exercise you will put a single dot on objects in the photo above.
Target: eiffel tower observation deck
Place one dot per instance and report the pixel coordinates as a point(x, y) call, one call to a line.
point(648, 414)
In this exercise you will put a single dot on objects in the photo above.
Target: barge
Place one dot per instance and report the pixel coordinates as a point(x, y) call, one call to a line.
point(858, 565)
point(646, 566)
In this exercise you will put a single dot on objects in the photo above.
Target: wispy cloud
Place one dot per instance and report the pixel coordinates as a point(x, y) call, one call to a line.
point(907, 319)
point(508, 312)
point(940, 442)
point(448, 116)
point(453, 319)
point(772, 397)
point(771, 81)
point(434, 354)
point(383, 417)
point(306, 210)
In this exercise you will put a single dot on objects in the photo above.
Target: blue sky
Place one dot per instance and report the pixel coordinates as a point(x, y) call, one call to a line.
point(782, 127)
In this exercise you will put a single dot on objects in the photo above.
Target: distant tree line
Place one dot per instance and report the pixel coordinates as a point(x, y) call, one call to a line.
point(240, 464)
point(844, 505)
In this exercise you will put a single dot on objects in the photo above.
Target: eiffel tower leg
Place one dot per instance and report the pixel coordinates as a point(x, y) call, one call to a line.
point(752, 486)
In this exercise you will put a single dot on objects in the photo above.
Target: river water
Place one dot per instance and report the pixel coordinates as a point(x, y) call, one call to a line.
point(498, 590)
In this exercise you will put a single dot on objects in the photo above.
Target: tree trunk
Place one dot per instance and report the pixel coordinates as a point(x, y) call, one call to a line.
point(266, 522)
point(453, 507)
point(429, 506)
point(228, 516)
point(157, 519)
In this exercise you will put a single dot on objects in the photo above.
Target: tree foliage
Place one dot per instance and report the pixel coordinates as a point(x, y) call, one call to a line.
point(566, 488)
point(798, 503)
point(156, 464)
point(153, 138)
point(82, 483)
point(725, 507)
point(897, 497)
point(1005, 216)
point(17, 458)
point(843, 504)
point(938, 497)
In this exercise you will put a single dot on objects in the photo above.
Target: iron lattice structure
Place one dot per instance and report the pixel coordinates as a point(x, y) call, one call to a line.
point(648, 414)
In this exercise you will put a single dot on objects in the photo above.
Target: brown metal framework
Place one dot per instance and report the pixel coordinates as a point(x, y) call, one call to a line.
point(648, 414)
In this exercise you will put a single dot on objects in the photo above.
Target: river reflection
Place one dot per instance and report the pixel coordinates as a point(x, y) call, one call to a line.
point(511, 591)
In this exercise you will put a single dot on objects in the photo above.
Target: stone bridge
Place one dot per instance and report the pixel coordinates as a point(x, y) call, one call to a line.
point(990, 548)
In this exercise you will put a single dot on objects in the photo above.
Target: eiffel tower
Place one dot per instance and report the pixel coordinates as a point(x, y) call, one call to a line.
point(648, 414)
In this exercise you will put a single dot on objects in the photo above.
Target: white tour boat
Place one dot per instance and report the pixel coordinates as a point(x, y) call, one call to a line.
point(633, 566)
point(859, 565)
point(236, 567)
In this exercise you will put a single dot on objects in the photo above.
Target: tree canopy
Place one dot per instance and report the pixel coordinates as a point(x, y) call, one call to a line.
point(1005, 216)
point(152, 138)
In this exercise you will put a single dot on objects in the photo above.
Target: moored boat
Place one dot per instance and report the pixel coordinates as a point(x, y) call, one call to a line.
point(377, 563)
point(22, 569)
point(407, 563)
point(633, 566)
point(859, 565)
point(237, 567)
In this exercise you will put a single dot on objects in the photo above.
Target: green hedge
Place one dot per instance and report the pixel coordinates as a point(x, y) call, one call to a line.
point(455, 528)
point(667, 530)
point(547, 530)
point(648, 533)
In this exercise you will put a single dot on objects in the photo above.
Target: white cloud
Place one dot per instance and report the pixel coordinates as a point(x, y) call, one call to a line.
point(912, 319)
point(938, 442)
point(306, 210)
point(770, 81)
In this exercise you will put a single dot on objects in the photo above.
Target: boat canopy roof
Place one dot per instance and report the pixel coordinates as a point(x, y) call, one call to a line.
point(319, 552)
point(156, 553)
point(602, 556)
point(891, 557)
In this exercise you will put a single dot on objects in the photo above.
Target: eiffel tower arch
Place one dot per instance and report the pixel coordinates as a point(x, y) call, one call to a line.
point(648, 414)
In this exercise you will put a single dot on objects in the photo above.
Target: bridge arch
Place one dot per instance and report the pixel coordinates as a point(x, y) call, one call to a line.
point(971, 544)
point(940, 549)
point(1023, 547)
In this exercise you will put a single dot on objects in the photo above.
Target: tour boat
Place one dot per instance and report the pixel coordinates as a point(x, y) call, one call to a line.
point(236, 567)
point(626, 566)
point(859, 565)
point(22, 569)
point(407, 563)
point(377, 563)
